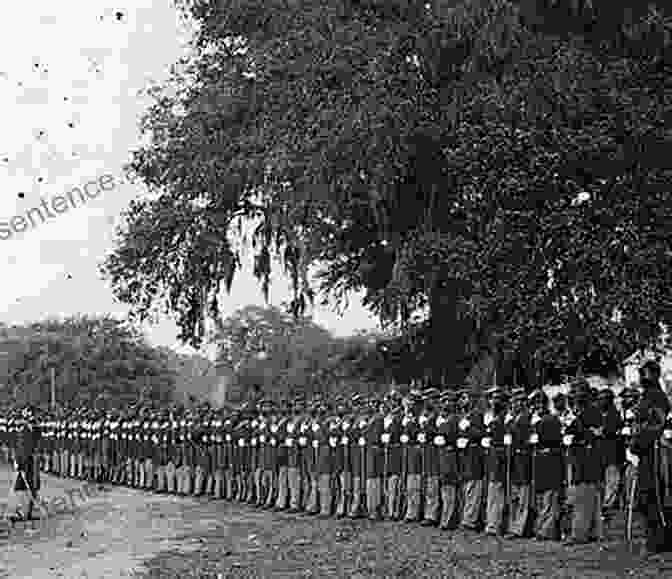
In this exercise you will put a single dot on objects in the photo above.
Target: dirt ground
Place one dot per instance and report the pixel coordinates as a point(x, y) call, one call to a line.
point(121, 532)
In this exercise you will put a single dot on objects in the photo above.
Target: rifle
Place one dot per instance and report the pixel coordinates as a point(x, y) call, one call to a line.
point(509, 500)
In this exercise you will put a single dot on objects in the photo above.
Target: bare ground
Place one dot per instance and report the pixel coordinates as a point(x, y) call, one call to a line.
point(126, 533)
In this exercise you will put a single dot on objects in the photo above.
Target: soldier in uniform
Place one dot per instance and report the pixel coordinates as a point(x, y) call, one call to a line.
point(267, 455)
point(412, 457)
point(26, 460)
point(309, 439)
point(357, 452)
point(497, 463)
point(430, 460)
point(584, 493)
point(326, 459)
point(374, 456)
point(202, 451)
point(548, 468)
point(343, 467)
point(392, 460)
point(644, 453)
point(519, 428)
point(449, 476)
point(294, 457)
point(472, 468)
point(611, 450)
point(279, 437)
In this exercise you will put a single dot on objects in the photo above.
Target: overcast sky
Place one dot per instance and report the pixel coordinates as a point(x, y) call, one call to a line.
point(70, 73)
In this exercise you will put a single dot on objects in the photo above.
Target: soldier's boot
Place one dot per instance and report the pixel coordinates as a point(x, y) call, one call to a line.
point(344, 491)
point(150, 471)
point(198, 481)
point(393, 502)
point(432, 501)
point(170, 477)
point(161, 479)
point(241, 485)
point(188, 480)
point(271, 484)
point(294, 479)
point(312, 504)
point(326, 496)
point(229, 480)
point(281, 500)
point(494, 517)
point(413, 495)
point(373, 497)
point(473, 502)
point(218, 489)
point(258, 491)
point(355, 510)
point(448, 506)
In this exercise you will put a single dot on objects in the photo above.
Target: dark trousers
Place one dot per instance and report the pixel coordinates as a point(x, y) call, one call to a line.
point(657, 535)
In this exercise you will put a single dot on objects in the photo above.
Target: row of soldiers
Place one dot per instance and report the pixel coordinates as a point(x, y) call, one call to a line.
point(516, 466)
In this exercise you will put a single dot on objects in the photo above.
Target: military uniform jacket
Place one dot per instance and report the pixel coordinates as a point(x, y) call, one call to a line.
point(292, 442)
point(447, 430)
point(584, 450)
point(409, 437)
point(430, 459)
point(278, 437)
point(325, 450)
point(520, 429)
point(549, 468)
point(391, 441)
point(611, 445)
point(358, 445)
point(471, 431)
point(495, 451)
point(268, 450)
point(650, 422)
point(344, 456)
point(375, 455)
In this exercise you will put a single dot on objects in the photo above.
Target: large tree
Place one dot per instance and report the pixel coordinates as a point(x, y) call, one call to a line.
point(500, 166)
point(95, 360)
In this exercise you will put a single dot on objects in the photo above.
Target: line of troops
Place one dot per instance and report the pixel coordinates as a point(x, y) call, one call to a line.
point(511, 464)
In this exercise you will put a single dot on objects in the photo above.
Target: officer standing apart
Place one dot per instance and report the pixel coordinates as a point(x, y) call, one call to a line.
point(643, 453)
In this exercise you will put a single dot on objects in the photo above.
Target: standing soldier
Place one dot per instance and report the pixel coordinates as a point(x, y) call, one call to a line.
point(548, 468)
point(308, 481)
point(392, 448)
point(629, 402)
point(163, 435)
point(279, 436)
point(584, 494)
point(230, 455)
point(374, 459)
point(472, 466)
point(358, 457)
point(496, 457)
point(611, 450)
point(202, 452)
point(430, 462)
point(26, 460)
point(254, 457)
point(644, 453)
point(326, 456)
point(519, 428)
point(447, 429)
point(345, 420)
point(294, 475)
point(266, 458)
point(413, 458)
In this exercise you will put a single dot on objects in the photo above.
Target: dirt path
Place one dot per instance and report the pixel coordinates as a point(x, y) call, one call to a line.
point(121, 532)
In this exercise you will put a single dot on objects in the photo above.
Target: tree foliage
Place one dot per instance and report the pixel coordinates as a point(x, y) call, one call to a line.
point(502, 166)
point(98, 361)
